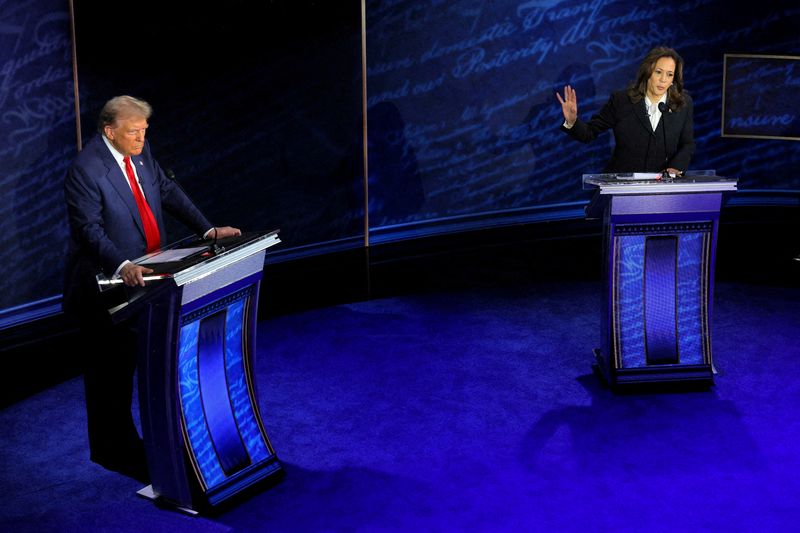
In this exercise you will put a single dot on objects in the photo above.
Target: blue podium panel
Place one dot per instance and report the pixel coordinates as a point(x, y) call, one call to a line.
point(660, 240)
point(658, 304)
point(223, 431)
point(204, 438)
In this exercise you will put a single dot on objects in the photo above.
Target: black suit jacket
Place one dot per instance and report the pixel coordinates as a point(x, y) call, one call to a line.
point(105, 227)
point(638, 148)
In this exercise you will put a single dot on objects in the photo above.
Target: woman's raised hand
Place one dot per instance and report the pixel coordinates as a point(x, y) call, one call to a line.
point(569, 105)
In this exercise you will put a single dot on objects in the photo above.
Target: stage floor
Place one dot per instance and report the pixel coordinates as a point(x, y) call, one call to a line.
point(467, 410)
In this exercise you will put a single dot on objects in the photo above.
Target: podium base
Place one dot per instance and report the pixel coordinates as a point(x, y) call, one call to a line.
point(696, 375)
point(148, 493)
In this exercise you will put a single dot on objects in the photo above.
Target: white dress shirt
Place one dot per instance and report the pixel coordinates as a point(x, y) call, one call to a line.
point(652, 110)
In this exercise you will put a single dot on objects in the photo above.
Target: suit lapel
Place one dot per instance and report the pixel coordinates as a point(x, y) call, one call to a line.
point(119, 181)
point(640, 109)
point(669, 116)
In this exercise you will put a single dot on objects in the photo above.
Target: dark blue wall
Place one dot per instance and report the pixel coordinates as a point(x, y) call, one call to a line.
point(463, 116)
point(258, 109)
point(257, 106)
point(37, 143)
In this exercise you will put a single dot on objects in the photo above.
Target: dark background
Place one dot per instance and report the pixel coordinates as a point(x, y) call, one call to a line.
point(257, 105)
point(258, 110)
point(475, 197)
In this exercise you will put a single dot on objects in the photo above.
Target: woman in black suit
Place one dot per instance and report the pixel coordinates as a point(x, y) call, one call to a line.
point(651, 119)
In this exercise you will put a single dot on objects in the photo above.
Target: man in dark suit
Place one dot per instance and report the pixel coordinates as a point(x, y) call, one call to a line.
point(116, 195)
point(653, 112)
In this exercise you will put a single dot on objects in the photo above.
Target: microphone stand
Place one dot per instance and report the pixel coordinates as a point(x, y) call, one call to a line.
point(217, 249)
point(664, 108)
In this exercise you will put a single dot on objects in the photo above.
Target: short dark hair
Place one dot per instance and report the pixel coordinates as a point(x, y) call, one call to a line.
point(122, 105)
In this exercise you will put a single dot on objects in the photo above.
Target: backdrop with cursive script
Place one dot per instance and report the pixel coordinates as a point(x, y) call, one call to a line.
point(755, 103)
point(463, 117)
point(258, 110)
point(37, 143)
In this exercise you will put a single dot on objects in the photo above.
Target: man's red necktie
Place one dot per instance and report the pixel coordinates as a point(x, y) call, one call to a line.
point(151, 233)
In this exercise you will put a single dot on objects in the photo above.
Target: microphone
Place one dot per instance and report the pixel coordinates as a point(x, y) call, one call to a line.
point(664, 108)
point(171, 175)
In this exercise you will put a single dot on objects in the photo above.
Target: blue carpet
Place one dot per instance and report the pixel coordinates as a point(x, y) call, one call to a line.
point(471, 410)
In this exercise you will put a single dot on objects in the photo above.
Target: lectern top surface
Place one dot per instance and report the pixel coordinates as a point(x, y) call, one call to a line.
point(201, 250)
point(652, 183)
point(191, 256)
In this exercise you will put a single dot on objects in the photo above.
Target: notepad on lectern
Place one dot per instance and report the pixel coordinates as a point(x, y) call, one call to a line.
point(634, 176)
point(168, 256)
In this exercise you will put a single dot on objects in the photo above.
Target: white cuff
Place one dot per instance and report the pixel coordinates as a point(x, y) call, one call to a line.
point(116, 272)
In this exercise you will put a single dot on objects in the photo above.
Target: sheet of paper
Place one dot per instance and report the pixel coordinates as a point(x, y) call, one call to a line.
point(168, 256)
point(637, 176)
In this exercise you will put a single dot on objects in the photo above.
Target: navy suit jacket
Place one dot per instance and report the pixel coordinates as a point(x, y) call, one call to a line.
point(637, 147)
point(105, 226)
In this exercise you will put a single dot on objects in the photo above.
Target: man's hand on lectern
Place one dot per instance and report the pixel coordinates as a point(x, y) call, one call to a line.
point(225, 231)
point(133, 274)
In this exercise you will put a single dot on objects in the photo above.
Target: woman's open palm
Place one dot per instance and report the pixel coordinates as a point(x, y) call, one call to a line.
point(569, 104)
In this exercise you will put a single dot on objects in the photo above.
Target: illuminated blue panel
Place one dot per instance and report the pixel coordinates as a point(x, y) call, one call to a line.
point(196, 431)
point(630, 300)
point(214, 390)
point(690, 298)
point(660, 301)
point(237, 384)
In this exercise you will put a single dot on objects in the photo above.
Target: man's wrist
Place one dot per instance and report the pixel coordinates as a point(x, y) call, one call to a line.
point(119, 268)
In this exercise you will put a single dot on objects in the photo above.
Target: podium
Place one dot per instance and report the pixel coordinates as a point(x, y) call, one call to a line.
point(204, 438)
point(659, 239)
